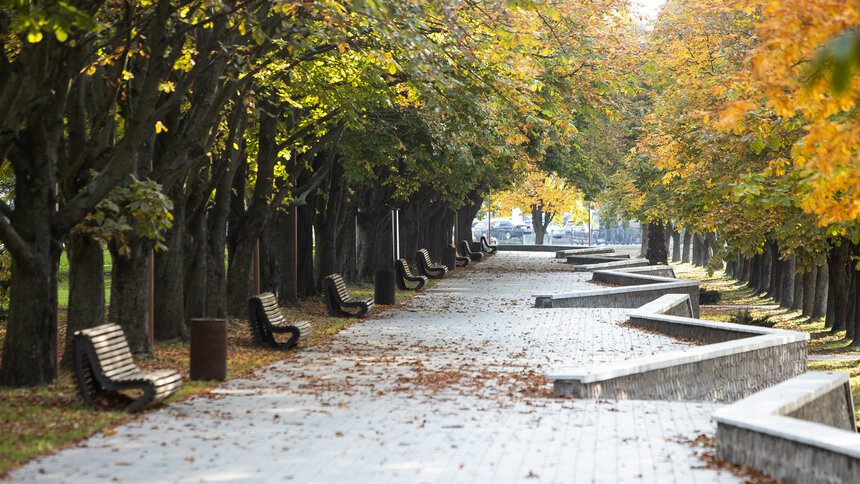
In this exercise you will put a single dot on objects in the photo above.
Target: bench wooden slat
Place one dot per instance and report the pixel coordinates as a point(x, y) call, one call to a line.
point(474, 256)
point(103, 363)
point(404, 275)
point(486, 247)
point(267, 319)
point(427, 268)
point(337, 299)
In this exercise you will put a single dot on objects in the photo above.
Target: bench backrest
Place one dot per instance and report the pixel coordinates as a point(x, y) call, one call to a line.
point(339, 286)
point(426, 256)
point(270, 308)
point(110, 348)
point(464, 246)
point(401, 263)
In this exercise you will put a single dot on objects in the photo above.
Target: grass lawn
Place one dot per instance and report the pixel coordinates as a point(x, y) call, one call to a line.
point(51, 417)
point(820, 342)
point(63, 282)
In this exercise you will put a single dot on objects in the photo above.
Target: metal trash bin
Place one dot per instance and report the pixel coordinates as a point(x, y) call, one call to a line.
point(208, 349)
point(383, 288)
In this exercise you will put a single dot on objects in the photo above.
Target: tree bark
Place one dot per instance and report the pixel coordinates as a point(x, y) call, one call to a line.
point(797, 298)
point(819, 307)
point(86, 289)
point(773, 289)
point(30, 347)
point(129, 293)
point(676, 246)
point(809, 291)
point(837, 262)
point(688, 241)
point(657, 253)
point(786, 298)
point(169, 290)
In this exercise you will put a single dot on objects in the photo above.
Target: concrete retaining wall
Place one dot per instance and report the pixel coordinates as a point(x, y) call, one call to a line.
point(801, 430)
point(723, 372)
point(622, 297)
point(739, 361)
point(658, 270)
point(595, 259)
point(539, 248)
point(612, 265)
point(561, 254)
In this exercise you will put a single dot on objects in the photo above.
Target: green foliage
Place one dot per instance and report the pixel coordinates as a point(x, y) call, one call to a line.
point(744, 316)
point(709, 296)
point(139, 208)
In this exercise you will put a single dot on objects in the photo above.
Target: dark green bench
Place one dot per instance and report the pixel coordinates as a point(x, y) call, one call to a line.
point(105, 369)
point(428, 268)
point(404, 276)
point(267, 320)
point(467, 251)
point(459, 260)
point(486, 247)
point(337, 299)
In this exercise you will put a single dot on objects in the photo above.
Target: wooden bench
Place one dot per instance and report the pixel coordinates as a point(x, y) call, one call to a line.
point(475, 256)
point(267, 320)
point(427, 268)
point(336, 298)
point(405, 275)
point(486, 247)
point(459, 260)
point(104, 369)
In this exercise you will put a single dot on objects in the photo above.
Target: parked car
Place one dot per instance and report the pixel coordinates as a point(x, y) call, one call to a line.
point(521, 229)
point(569, 227)
point(555, 230)
point(501, 229)
point(479, 228)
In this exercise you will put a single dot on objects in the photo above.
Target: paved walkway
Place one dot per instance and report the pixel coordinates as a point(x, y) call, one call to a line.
point(448, 387)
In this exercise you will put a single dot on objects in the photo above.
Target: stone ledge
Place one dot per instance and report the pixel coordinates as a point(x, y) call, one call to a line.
point(670, 304)
point(622, 297)
point(617, 263)
point(538, 248)
point(740, 360)
point(674, 358)
point(561, 254)
point(772, 431)
point(657, 270)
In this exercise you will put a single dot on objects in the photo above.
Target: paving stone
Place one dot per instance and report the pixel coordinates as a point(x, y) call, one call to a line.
point(445, 388)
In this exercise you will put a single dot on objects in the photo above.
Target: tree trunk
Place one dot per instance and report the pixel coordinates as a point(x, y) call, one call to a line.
point(86, 288)
point(676, 246)
point(797, 298)
point(786, 298)
point(129, 294)
point(195, 267)
point(466, 214)
point(853, 296)
point(657, 253)
point(699, 250)
point(837, 262)
point(539, 223)
point(169, 295)
point(246, 225)
point(710, 249)
point(668, 230)
point(773, 288)
point(688, 240)
point(819, 307)
point(746, 273)
point(30, 347)
point(809, 291)
point(764, 277)
point(643, 250)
